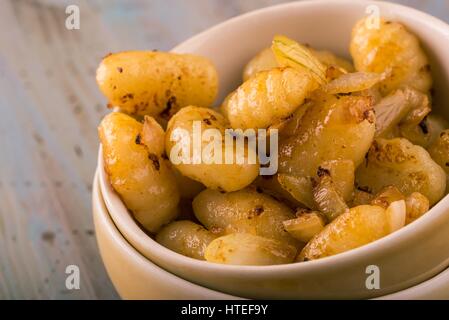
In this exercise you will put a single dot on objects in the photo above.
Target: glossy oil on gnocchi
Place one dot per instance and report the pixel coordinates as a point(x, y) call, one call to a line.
point(359, 152)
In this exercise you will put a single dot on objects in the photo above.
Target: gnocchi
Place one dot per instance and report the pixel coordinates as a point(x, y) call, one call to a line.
point(267, 98)
point(213, 174)
point(439, 151)
point(138, 173)
point(186, 238)
point(408, 167)
point(249, 249)
point(357, 152)
point(390, 47)
point(245, 211)
point(354, 228)
point(157, 83)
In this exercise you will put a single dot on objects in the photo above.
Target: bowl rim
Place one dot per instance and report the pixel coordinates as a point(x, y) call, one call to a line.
point(117, 208)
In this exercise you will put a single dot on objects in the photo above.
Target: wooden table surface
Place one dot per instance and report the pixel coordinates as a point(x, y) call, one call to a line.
point(50, 107)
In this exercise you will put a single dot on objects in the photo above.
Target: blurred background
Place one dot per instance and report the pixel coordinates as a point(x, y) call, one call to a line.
point(50, 107)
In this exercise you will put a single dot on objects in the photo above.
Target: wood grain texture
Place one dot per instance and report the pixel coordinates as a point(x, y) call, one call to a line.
point(50, 107)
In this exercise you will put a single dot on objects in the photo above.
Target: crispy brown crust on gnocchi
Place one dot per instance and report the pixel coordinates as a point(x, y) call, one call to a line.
point(157, 83)
point(408, 167)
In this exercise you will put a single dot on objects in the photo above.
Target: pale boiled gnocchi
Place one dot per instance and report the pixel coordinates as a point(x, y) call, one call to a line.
point(355, 149)
point(186, 237)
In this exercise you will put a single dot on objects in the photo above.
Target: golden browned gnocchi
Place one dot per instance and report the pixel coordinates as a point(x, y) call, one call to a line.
point(249, 249)
point(267, 98)
point(157, 83)
point(186, 237)
point(390, 47)
point(333, 128)
point(213, 173)
point(246, 211)
point(356, 227)
point(408, 167)
point(139, 173)
point(350, 158)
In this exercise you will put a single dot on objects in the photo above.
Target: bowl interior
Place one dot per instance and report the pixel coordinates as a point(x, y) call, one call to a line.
point(323, 25)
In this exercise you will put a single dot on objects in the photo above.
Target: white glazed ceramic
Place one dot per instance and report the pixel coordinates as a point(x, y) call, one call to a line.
point(413, 254)
point(134, 276)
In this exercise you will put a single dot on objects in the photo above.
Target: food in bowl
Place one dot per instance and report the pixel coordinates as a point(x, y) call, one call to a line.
point(359, 154)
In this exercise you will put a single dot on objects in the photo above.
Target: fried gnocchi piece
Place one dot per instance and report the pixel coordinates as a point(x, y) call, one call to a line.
point(157, 83)
point(154, 136)
point(186, 238)
point(355, 228)
point(390, 47)
point(210, 169)
point(335, 132)
point(399, 163)
point(439, 151)
point(249, 249)
point(305, 226)
point(267, 98)
point(245, 211)
point(417, 204)
point(265, 60)
point(333, 128)
point(138, 173)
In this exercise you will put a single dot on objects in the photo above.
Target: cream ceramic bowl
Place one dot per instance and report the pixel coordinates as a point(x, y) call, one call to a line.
point(134, 276)
point(408, 257)
point(145, 280)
